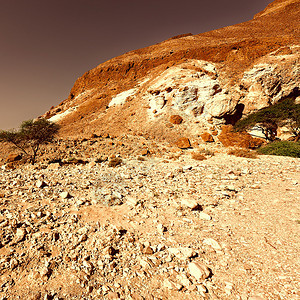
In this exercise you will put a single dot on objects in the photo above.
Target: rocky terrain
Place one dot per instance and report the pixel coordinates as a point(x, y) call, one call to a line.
point(122, 223)
point(138, 198)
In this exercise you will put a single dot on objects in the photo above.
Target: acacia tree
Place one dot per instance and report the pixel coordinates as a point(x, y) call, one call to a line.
point(30, 136)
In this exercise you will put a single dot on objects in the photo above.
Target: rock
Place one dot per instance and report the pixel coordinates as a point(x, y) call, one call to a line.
point(176, 119)
point(19, 236)
point(136, 296)
point(113, 162)
point(168, 284)
point(113, 295)
point(148, 250)
point(144, 152)
point(65, 195)
point(256, 298)
point(54, 166)
point(13, 157)
point(190, 203)
point(198, 156)
point(40, 184)
point(212, 243)
point(110, 250)
point(45, 271)
point(183, 143)
point(183, 253)
point(145, 263)
point(13, 263)
point(201, 289)
point(204, 216)
point(207, 137)
point(229, 138)
point(184, 280)
point(161, 228)
point(132, 201)
point(199, 271)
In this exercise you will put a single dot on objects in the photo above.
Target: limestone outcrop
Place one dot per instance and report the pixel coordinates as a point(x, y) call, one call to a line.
point(210, 79)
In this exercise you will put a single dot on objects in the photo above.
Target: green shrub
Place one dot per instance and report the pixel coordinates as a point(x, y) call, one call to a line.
point(30, 136)
point(281, 148)
point(285, 112)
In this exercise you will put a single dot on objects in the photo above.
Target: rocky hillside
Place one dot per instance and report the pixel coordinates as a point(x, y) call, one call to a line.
point(208, 79)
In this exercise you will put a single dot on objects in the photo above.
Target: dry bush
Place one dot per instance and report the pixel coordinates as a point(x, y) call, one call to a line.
point(242, 153)
point(206, 152)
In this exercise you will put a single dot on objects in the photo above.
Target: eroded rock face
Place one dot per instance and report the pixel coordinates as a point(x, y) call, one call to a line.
point(268, 82)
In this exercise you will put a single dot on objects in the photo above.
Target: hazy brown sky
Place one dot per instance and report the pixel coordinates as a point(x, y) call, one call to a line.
point(45, 45)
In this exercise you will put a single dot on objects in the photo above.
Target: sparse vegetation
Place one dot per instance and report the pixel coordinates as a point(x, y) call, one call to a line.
point(284, 113)
point(206, 152)
point(30, 136)
point(281, 148)
point(242, 153)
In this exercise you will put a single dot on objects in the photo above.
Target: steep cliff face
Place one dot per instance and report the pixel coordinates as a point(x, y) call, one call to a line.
point(208, 79)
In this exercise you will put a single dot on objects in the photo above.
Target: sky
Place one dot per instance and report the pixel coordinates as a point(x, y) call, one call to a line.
point(45, 45)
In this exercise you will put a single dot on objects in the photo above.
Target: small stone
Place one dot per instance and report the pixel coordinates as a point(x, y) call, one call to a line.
point(204, 216)
point(105, 288)
point(192, 204)
point(176, 119)
point(168, 284)
point(201, 289)
point(212, 243)
point(255, 186)
point(183, 279)
point(161, 228)
point(199, 271)
point(113, 295)
point(144, 152)
point(20, 234)
point(183, 143)
point(13, 157)
point(40, 184)
point(132, 201)
point(182, 253)
point(148, 250)
point(207, 137)
point(65, 195)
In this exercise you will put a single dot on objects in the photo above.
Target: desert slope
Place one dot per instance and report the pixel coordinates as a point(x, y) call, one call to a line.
point(247, 62)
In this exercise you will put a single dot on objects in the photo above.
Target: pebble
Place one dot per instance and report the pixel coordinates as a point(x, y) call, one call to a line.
point(65, 195)
point(199, 271)
point(190, 203)
point(204, 216)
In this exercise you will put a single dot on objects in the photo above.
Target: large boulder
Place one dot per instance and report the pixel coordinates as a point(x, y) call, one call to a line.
point(230, 138)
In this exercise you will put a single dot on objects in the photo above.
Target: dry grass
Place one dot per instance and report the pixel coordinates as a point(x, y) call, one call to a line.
point(242, 153)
